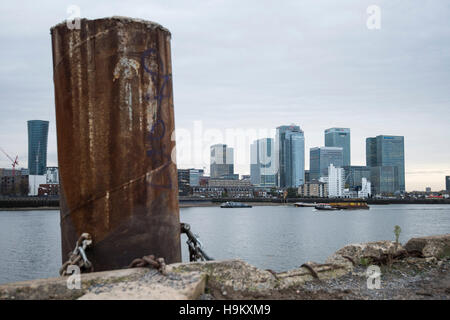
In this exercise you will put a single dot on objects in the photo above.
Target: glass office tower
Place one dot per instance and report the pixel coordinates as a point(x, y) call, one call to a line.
point(387, 151)
point(320, 159)
point(37, 146)
point(339, 137)
point(447, 183)
point(262, 163)
point(222, 161)
point(290, 148)
point(384, 179)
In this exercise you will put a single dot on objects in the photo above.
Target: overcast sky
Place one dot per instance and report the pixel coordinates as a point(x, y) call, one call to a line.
point(260, 64)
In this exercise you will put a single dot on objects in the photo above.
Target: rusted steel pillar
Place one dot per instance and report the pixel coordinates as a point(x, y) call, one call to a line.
point(115, 120)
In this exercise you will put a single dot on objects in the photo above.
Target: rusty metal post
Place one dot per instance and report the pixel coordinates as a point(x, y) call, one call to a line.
point(115, 120)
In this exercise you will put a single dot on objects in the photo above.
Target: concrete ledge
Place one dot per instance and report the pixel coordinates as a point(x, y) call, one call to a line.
point(433, 246)
point(234, 275)
point(56, 288)
point(152, 286)
point(228, 278)
point(353, 254)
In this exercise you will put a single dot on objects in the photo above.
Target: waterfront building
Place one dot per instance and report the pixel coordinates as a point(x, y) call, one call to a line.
point(354, 176)
point(14, 185)
point(204, 180)
point(48, 190)
point(228, 183)
point(34, 181)
point(313, 189)
point(37, 146)
point(184, 188)
point(384, 180)
point(347, 193)
point(228, 188)
point(223, 192)
point(387, 151)
point(290, 148)
point(366, 188)
point(263, 163)
point(335, 181)
point(447, 183)
point(339, 137)
point(233, 176)
point(194, 177)
point(52, 175)
point(307, 177)
point(320, 159)
point(222, 161)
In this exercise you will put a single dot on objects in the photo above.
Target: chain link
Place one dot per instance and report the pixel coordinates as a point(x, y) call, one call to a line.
point(78, 256)
point(196, 252)
point(150, 260)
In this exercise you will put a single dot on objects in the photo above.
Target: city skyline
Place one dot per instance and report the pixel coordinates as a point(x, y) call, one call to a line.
point(390, 81)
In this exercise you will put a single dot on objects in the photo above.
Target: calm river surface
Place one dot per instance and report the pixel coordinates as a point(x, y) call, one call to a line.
point(275, 237)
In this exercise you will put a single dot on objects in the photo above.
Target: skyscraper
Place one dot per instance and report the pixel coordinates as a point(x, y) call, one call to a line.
point(262, 163)
point(37, 146)
point(447, 183)
point(339, 137)
point(384, 179)
point(320, 159)
point(371, 152)
point(222, 161)
point(290, 147)
point(387, 151)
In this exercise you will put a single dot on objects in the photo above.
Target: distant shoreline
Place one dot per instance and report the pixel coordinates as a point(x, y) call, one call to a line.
point(210, 203)
point(30, 209)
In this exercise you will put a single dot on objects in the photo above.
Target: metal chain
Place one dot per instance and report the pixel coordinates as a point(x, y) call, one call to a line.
point(150, 260)
point(78, 256)
point(196, 252)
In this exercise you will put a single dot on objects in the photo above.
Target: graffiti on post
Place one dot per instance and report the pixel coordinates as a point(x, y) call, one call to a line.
point(157, 71)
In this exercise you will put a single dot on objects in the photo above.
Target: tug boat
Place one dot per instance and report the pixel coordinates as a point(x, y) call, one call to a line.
point(231, 204)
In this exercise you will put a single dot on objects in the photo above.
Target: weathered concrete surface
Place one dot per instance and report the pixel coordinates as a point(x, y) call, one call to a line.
point(353, 253)
point(115, 124)
point(433, 246)
point(152, 286)
point(239, 276)
point(56, 288)
point(301, 275)
point(235, 274)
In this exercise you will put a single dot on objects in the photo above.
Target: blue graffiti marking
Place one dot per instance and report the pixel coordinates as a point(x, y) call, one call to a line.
point(151, 135)
point(154, 75)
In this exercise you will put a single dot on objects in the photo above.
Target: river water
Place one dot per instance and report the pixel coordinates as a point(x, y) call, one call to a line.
point(275, 237)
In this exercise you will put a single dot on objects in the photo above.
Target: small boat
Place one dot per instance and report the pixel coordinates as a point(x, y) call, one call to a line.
point(230, 204)
point(325, 206)
point(304, 204)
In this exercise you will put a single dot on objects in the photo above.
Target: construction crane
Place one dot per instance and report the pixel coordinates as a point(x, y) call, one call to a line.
point(14, 161)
